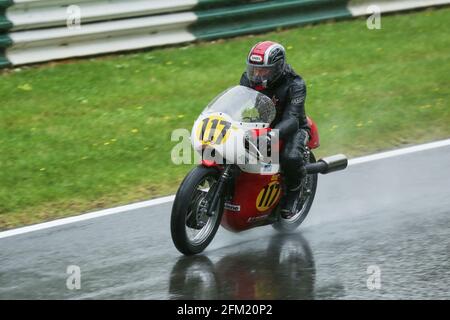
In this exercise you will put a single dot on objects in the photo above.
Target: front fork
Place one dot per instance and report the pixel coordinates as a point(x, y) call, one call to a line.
point(212, 198)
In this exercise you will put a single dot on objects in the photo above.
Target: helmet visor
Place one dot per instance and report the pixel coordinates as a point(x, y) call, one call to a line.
point(264, 74)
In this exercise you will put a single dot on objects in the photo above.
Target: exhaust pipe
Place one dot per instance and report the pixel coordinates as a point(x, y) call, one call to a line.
point(329, 164)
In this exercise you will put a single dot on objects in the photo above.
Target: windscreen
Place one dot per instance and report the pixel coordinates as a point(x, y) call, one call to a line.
point(244, 105)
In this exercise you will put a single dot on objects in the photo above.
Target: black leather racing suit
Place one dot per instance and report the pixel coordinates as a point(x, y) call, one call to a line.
point(289, 94)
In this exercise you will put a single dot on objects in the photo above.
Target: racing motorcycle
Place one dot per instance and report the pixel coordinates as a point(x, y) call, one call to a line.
point(238, 183)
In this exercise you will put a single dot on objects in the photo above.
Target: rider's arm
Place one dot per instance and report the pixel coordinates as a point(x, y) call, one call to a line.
point(294, 116)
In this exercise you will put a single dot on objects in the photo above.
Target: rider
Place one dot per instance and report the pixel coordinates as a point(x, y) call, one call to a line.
point(268, 72)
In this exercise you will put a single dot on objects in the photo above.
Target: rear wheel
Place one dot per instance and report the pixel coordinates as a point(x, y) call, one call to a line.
point(192, 230)
point(306, 198)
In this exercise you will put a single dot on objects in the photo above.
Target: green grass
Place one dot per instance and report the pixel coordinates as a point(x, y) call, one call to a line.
point(94, 133)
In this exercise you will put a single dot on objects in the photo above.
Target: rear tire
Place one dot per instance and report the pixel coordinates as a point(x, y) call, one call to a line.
point(289, 225)
point(185, 214)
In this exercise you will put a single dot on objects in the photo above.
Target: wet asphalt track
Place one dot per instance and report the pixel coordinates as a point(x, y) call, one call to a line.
point(392, 213)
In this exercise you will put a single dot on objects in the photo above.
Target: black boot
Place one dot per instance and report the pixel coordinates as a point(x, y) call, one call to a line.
point(289, 203)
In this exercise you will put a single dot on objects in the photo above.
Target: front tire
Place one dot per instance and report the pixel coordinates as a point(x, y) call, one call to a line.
point(309, 192)
point(191, 230)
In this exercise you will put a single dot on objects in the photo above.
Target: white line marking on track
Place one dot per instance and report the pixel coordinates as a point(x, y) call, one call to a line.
point(399, 152)
point(168, 199)
point(87, 216)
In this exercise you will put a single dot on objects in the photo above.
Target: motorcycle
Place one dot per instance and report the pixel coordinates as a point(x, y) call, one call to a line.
point(238, 183)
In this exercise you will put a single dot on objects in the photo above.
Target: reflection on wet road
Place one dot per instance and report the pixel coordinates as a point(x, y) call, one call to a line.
point(283, 268)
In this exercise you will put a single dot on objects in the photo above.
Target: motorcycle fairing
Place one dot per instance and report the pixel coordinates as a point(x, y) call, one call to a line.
point(255, 197)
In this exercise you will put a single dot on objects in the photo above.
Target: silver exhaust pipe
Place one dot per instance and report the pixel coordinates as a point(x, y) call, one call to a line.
point(335, 163)
point(328, 164)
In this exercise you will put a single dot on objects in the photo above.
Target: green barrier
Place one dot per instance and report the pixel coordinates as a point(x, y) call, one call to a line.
point(5, 25)
point(215, 19)
point(262, 16)
point(5, 41)
point(6, 3)
point(209, 4)
point(4, 62)
point(267, 7)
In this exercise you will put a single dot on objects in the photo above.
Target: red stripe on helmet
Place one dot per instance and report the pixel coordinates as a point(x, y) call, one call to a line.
point(259, 50)
point(261, 47)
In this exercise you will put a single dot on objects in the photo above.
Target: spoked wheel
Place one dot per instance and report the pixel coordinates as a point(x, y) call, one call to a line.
point(304, 202)
point(192, 230)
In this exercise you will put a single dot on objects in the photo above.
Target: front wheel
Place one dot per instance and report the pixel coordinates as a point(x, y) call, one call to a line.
point(192, 230)
point(306, 198)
